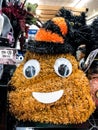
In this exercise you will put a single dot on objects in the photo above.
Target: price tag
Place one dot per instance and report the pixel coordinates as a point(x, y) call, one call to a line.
point(6, 54)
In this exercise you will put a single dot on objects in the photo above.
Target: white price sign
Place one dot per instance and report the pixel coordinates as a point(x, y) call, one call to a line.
point(6, 54)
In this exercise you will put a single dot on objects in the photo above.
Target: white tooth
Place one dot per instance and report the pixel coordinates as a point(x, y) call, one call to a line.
point(48, 97)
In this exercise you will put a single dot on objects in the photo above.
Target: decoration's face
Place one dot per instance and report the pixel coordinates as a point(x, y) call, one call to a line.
point(50, 88)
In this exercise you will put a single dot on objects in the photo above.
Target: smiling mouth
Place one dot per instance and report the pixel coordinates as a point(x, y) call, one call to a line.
point(48, 97)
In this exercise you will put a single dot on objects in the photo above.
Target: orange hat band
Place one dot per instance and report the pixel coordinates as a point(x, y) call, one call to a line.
point(48, 36)
point(59, 21)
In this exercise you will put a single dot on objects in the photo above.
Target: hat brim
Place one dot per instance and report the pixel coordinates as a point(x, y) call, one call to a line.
point(49, 47)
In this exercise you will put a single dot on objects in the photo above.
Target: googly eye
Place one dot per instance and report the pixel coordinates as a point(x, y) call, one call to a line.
point(81, 63)
point(79, 24)
point(72, 23)
point(63, 67)
point(31, 68)
point(20, 58)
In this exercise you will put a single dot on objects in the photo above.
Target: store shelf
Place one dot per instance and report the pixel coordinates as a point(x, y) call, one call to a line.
point(6, 76)
point(91, 124)
point(3, 107)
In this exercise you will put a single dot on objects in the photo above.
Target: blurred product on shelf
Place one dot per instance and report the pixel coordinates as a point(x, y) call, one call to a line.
point(93, 77)
point(16, 17)
point(1, 70)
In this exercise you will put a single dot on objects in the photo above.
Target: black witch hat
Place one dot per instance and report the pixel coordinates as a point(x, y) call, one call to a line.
point(53, 38)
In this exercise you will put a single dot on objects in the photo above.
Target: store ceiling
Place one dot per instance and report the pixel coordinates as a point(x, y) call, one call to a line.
point(48, 8)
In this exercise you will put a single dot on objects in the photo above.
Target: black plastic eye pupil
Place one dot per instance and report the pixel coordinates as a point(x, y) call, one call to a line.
point(82, 64)
point(20, 58)
point(63, 70)
point(30, 71)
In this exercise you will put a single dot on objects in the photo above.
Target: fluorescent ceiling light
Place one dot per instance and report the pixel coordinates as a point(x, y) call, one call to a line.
point(79, 3)
point(32, 1)
point(74, 3)
point(92, 17)
point(38, 12)
point(95, 15)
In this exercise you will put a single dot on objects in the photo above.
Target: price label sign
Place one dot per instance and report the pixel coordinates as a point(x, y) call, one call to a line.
point(7, 56)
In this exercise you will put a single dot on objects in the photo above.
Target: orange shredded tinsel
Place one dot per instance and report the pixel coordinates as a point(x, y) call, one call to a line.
point(62, 24)
point(48, 36)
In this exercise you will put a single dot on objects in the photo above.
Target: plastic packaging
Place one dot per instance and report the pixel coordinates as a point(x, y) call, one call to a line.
point(1, 22)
